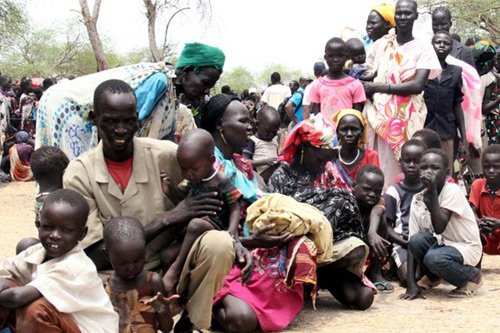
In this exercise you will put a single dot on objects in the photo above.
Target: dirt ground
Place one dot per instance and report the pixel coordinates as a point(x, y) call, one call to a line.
point(437, 313)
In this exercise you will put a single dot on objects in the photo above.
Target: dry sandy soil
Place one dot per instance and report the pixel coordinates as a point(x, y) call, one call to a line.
point(437, 313)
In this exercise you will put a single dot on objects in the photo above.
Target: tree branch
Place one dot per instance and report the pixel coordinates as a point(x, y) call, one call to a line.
point(95, 12)
point(168, 24)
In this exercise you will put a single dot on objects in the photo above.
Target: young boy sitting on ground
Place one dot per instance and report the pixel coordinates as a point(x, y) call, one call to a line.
point(485, 199)
point(398, 201)
point(262, 150)
point(444, 236)
point(368, 186)
point(54, 286)
point(136, 294)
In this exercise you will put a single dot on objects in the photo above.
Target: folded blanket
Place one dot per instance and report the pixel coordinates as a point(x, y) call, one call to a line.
point(292, 216)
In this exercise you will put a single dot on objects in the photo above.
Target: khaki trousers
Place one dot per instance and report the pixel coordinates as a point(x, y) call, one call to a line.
point(209, 261)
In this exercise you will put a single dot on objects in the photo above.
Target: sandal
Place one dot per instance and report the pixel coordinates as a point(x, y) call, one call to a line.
point(384, 287)
point(427, 284)
point(466, 291)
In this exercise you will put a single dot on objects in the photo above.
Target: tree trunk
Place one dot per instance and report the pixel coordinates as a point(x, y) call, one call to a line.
point(90, 21)
point(151, 16)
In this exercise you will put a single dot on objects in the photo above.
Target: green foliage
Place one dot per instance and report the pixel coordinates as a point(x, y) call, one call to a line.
point(138, 55)
point(238, 78)
point(13, 20)
point(471, 17)
point(56, 52)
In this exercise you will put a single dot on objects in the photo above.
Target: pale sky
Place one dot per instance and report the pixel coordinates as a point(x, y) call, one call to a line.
point(252, 33)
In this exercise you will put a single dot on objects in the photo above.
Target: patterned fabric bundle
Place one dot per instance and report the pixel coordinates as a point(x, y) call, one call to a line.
point(63, 115)
point(288, 215)
point(317, 130)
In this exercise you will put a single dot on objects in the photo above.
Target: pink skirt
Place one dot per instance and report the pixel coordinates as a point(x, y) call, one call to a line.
point(273, 302)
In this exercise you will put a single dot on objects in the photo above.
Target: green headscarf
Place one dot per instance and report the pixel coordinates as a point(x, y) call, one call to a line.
point(484, 54)
point(201, 55)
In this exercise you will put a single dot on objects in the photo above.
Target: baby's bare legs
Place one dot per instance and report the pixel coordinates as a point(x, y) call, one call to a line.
point(195, 229)
point(168, 255)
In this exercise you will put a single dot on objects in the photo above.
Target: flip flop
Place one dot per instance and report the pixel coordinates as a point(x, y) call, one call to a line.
point(466, 291)
point(427, 284)
point(384, 287)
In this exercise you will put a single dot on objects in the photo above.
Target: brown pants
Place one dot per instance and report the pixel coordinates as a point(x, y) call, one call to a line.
point(42, 317)
point(37, 317)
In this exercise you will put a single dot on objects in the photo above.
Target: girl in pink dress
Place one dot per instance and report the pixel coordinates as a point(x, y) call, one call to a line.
point(336, 90)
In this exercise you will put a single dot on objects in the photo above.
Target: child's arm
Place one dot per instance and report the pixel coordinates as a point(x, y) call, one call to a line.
point(393, 236)
point(248, 153)
point(488, 104)
point(413, 291)
point(368, 77)
point(489, 224)
point(243, 256)
point(358, 106)
point(165, 182)
point(475, 210)
point(234, 219)
point(16, 297)
point(315, 108)
point(265, 161)
point(161, 304)
point(459, 115)
point(377, 243)
point(439, 216)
